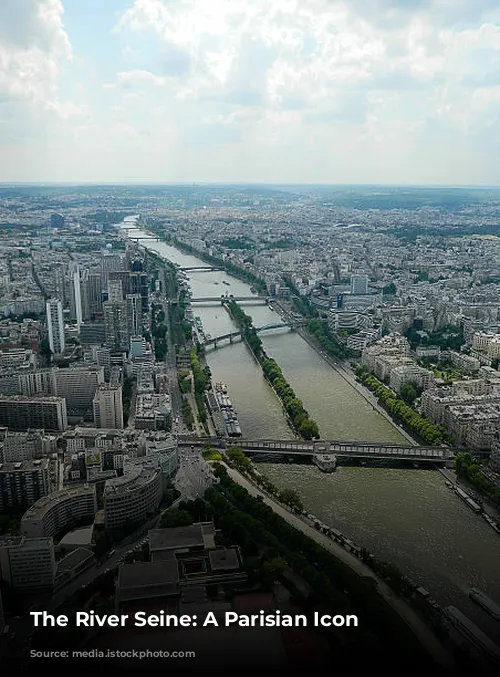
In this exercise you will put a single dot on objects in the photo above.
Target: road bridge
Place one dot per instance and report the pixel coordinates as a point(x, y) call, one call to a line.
point(200, 269)
point(227, 299)
point(349, 449)
point(141, 239)
point(231, 336)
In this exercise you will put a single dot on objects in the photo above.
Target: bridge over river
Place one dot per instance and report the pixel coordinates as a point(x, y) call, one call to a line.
point(227, 299)
point(314, 448)
point(231, 336)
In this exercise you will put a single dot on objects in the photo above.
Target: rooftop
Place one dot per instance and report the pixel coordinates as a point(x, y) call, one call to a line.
point(44, 504)
point(193, 536)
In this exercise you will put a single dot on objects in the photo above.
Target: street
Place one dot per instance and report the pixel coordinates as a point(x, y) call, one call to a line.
point(194, 475)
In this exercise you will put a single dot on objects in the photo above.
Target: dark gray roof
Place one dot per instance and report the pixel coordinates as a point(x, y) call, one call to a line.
point(224, 560)
point(176, 537)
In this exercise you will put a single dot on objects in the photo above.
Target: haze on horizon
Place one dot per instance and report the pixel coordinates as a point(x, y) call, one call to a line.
point(250, 91)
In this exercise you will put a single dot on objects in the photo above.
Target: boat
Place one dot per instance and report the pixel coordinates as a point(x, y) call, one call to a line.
point(473, 634)
point(227, 410)
point(228, 284)
point(485, 602)
point(449, 484)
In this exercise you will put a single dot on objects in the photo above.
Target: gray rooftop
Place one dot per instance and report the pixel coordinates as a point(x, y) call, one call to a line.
point(224, 560)
point(176, 537)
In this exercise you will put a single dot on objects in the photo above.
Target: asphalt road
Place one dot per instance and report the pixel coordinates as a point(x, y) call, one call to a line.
point(194, 476)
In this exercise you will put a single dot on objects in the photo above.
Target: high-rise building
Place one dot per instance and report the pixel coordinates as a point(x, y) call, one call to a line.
point(55, 326)
point(57, 221)
point(28, 564)
point(137, 346)
point(91, 285)
point(22, 413)
point(359, 284)
point(108, 407)
point(112, 261)
point(134, 314)
point(23, 483)
point(115, 290)
point(76, 295)
point(77, 385)
point(116, 325)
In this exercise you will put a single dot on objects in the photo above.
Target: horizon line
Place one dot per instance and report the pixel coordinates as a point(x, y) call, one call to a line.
point(243, 183)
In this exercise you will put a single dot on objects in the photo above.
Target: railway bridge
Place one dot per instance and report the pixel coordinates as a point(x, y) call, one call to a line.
point(339, 449)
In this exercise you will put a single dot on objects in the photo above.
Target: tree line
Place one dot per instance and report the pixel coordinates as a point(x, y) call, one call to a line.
point(302, 423)
point(400, 411)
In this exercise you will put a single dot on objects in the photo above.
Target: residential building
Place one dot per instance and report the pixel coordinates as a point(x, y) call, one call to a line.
point(60, 512)
point(134, 497)
point(55, 326)
point(23, 483)
point(108, 407)
point(22, 413)
point(116, 325)
point(28, 564)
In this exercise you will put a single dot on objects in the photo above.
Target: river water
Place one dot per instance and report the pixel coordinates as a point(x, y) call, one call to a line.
point(404, 516)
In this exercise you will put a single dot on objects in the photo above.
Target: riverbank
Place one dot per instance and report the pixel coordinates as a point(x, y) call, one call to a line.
point(427, 638)
point(302, 424)
point(350, 377)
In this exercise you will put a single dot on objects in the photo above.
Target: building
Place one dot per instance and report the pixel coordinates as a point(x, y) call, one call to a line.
point(28, 564)
point(134, 314)
point(60, 512)
point(495, 452)
point(22, 413)
point(57, 221)
point(137, 346)
point(153, 411)
point(116, 325)
point(91, 291)
point(164, 543)
point(26, 446)
point(359, 284)
point(108, 407)
point(55, 326)
point(115, 290)
point(93, 333)
point(78, 385)
point(77, 296)
point(134, 497)
point(23, 483)
point(409, 372)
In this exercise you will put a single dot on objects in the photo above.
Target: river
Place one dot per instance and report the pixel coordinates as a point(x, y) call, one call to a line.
point(404, 516)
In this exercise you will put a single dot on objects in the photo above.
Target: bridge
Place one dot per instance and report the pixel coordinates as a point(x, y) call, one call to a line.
point(200, 269)
point(227, 299)
point(214, 340)
point(141, 239)
point(313, 448)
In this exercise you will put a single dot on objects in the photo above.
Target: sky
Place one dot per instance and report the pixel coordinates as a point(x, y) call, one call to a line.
point(305, 91)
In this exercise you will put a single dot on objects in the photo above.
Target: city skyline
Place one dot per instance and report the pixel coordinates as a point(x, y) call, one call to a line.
point(152, 92)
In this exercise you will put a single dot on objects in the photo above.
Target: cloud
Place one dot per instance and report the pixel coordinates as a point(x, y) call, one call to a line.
point(34, 47)
point(269, 87)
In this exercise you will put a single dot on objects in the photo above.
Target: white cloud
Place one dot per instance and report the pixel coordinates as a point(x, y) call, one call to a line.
point(283, 89)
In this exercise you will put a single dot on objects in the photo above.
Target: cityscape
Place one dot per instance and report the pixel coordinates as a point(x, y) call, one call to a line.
point(152, 356)
point(250, 335)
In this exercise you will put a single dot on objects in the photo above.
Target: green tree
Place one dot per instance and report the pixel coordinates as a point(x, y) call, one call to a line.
point(175, 518)
point(271, 571)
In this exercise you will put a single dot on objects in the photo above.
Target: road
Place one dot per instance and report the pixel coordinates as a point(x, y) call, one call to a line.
point(194, 475)
point(406, 613)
